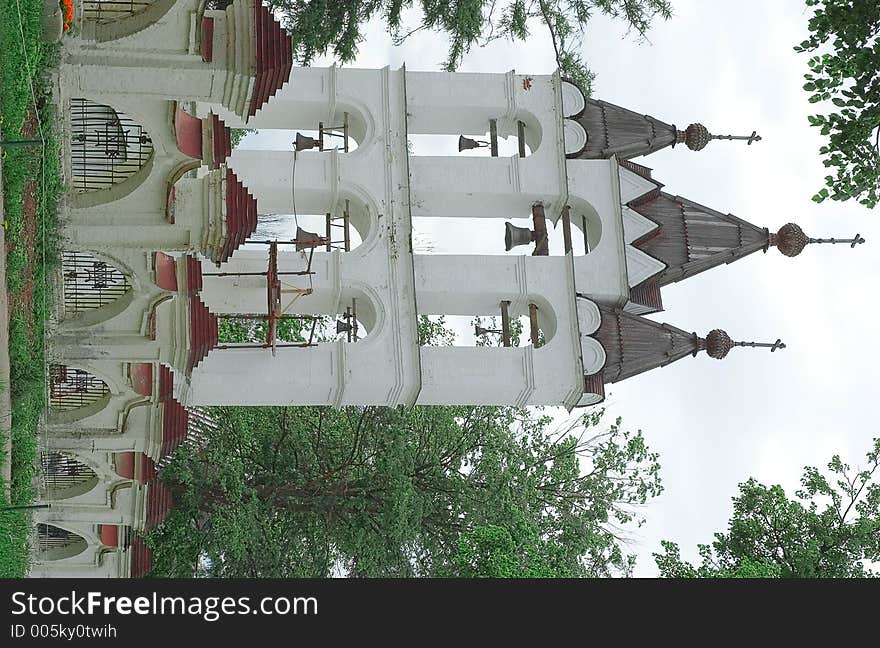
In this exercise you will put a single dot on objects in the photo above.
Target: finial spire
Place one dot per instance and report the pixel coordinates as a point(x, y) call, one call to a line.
point(754, 137)
point(854, 241)
point(791, 240)
point(779, 344)
point(697, 136)
point(718, 344)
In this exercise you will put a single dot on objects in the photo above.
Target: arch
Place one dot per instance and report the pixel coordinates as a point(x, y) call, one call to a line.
point(362, 304)
point(66, 476)
point(94, 289)
point(574, 102)
point(361, 127)
point(113, 19)
point(487, 330)
point(75, 394)
point(108, 151)
point(586, 219)
point(575, 138)
point(57, 543)
point(542, 313)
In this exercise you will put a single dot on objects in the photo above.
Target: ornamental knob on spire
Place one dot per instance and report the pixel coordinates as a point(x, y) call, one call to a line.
point(791, 240)
point(697, 136)
point(718, 344)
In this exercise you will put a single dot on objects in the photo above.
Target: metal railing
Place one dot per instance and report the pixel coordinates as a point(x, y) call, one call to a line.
point(62, 472)
point(71, 388)
point(107, 147)
point(107, 11)
point(51, 537)
point(90, 283)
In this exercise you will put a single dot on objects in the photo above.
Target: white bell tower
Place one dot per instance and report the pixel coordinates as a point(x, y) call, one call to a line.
point(378, 187)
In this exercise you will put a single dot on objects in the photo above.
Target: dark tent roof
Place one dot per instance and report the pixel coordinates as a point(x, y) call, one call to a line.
point(693, 238)
point(634, 344)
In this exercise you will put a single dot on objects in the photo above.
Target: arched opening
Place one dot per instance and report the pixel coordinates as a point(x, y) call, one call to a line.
point(119, 18)
point(327, 137)
point(344, 228)
point(107, 147)
point(72, 389)
point(104, 12)
point(507, 329)
point(90, 283)
point(465, 146)
point(65, 476)
point(55, 543)
point(586, 221)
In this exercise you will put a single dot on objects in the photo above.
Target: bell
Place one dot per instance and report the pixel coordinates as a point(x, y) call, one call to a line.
point(303, 142)
point(514, 236)
point(466, 143)
point(343, 327)
point(305, 240)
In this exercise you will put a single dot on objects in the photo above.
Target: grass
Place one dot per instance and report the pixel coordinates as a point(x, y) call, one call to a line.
point(23, 62)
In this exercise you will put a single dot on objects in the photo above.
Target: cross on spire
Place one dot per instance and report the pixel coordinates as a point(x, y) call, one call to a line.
point(754, 137)
point(856, 240)
point(779, 344)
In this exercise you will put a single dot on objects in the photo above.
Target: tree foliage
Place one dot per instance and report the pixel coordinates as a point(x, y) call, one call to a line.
point(831, 529)
point(424, 491)
point(844, 69)
point(318, 26)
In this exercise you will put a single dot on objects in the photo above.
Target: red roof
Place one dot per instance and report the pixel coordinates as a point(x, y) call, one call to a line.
point(159, 503)
point(175, 418)
point(273, 57)
point(193, 274)
point(141, 559)
point(222, 144)
point(241, 216)
point(148, 469)
point(203, 332)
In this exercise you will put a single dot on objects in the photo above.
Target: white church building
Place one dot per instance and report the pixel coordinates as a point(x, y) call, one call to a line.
point(158, 232)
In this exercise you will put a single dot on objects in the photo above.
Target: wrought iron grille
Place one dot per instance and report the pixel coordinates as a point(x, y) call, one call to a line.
point(71, 389)
point(50, 537)
point(90, 283)
point(61, 471)
point(107, 11)
point(106, 146)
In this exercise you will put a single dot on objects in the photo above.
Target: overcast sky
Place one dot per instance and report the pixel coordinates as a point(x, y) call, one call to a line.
point(731, 67)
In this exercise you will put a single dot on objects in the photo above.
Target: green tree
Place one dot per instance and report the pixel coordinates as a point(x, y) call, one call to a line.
point(443, 491)
point(830, 530)
point(318, 26)
point(843, 69)
point(238, 134)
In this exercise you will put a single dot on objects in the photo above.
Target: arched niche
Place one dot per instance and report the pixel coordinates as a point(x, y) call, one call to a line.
point(536, 324)
point(75, 394)
point(56, 543)
point(113, 19)
point(351, 222)
point(586, 226)
point(361, 307)
point(109, 151)
point(94, 288)
point(66, 476)
point(519, 137)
